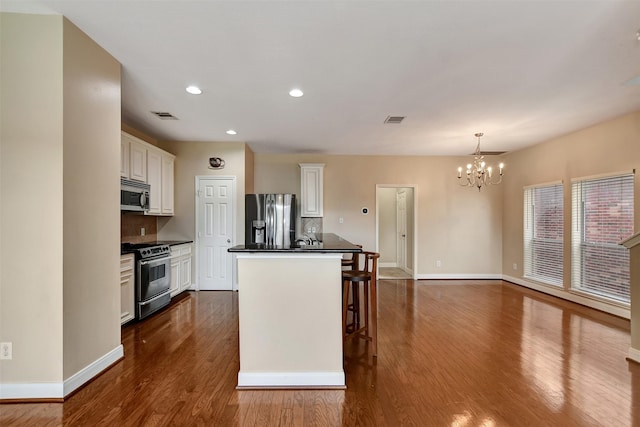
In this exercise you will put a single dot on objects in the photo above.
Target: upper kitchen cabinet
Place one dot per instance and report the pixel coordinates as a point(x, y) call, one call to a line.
point(137, 159)
point(154, 179)
point(147, 163)
point(311, 197)
point(160, 179)
point(124, 157)
point(166, 204)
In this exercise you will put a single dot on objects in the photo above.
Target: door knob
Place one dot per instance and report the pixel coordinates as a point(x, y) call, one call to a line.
point(228, 240)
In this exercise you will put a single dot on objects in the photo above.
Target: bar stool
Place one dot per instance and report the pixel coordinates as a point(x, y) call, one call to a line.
point(351, 263)
point(368, 277)
point(354, 307)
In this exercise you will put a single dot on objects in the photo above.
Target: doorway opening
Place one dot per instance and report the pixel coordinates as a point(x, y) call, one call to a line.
point(396, 231)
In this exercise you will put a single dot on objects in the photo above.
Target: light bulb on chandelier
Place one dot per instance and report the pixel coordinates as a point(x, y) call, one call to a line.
point(478, 173)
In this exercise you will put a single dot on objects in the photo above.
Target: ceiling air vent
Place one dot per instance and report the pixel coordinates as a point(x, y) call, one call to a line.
point(163, 115)
point(394, 119)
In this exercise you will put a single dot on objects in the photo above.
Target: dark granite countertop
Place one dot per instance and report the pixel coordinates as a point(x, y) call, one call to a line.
point(128, 250)
point(327, 243)
point(173, 242)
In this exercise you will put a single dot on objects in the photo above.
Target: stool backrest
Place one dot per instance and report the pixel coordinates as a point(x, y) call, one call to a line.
point(352, 262)
point(371, 263)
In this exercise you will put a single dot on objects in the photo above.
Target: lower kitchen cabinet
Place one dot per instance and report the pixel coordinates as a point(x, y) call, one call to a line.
point(127, 288)
point(180, 268)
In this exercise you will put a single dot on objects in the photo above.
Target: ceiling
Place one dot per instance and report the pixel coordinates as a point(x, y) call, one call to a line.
point(521, 72)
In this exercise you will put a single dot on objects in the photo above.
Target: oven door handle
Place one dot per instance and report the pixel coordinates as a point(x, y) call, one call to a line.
point(147, 302)
point(160, 260)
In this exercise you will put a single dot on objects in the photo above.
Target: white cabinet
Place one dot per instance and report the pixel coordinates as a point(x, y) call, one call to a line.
point(127, 288)
point(147, 163)
point(137, 161)
point(311, 191)
point(154, 179)
point(174, 285)
point(160, 180)
point(124, 158)
point(166, 207)
point(180, 268)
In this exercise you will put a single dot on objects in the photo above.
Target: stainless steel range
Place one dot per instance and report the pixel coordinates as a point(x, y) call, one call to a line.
point(153, 277)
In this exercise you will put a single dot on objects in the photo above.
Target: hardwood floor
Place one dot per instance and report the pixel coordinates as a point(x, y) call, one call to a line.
point(454, 353)
point(392, 273)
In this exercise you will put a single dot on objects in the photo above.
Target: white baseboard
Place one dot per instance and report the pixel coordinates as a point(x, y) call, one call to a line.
point(32, 391)
point(634, 355)
point(94, 368)
point(459, 276)
point(569, 296)
point(60, 390)
point(387, 264)
point(333, 379)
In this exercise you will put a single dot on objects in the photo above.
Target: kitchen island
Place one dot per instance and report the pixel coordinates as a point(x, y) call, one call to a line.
point(290, 314)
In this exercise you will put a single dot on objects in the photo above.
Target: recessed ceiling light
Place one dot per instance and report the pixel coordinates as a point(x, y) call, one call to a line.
point(296, 93)
point(231, 132)
point(194, 90)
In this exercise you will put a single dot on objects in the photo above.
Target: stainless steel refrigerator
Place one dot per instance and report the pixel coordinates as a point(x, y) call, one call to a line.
point(270, 220)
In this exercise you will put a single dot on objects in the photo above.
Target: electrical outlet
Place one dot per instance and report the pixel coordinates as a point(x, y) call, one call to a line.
point(438, 263)
point(341, 220)
point(142, 231)
point(6, 351)
point(515, 266)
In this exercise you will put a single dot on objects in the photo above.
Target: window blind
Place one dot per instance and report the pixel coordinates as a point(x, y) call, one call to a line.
point(602, 216)
point(543, 233)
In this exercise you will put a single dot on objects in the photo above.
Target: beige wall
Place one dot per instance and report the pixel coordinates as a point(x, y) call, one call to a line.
point(139, 134)
point(459, 226)
point(612, 146)
point(60, 160)
point(192, 159)
point(91, 211)
point(31, 186)
point(248, 170)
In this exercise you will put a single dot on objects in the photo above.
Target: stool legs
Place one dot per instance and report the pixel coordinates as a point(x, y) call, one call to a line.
point(355, 303)
point(369, 329)
point(374, 318)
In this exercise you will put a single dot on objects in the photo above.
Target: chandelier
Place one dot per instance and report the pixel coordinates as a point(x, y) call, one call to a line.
point(478, 173)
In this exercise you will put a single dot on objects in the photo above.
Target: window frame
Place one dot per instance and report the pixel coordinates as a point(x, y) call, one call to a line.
point(579, 240)
point(529, 232)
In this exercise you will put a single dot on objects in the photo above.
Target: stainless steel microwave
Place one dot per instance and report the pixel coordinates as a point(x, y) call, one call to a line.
point(134, 195)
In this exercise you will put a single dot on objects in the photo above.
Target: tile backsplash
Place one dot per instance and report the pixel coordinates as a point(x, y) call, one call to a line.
point(131, 225)
point(309, 224)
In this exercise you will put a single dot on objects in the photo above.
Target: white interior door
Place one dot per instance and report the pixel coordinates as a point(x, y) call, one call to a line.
point(401, 206)
point(215, 225)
